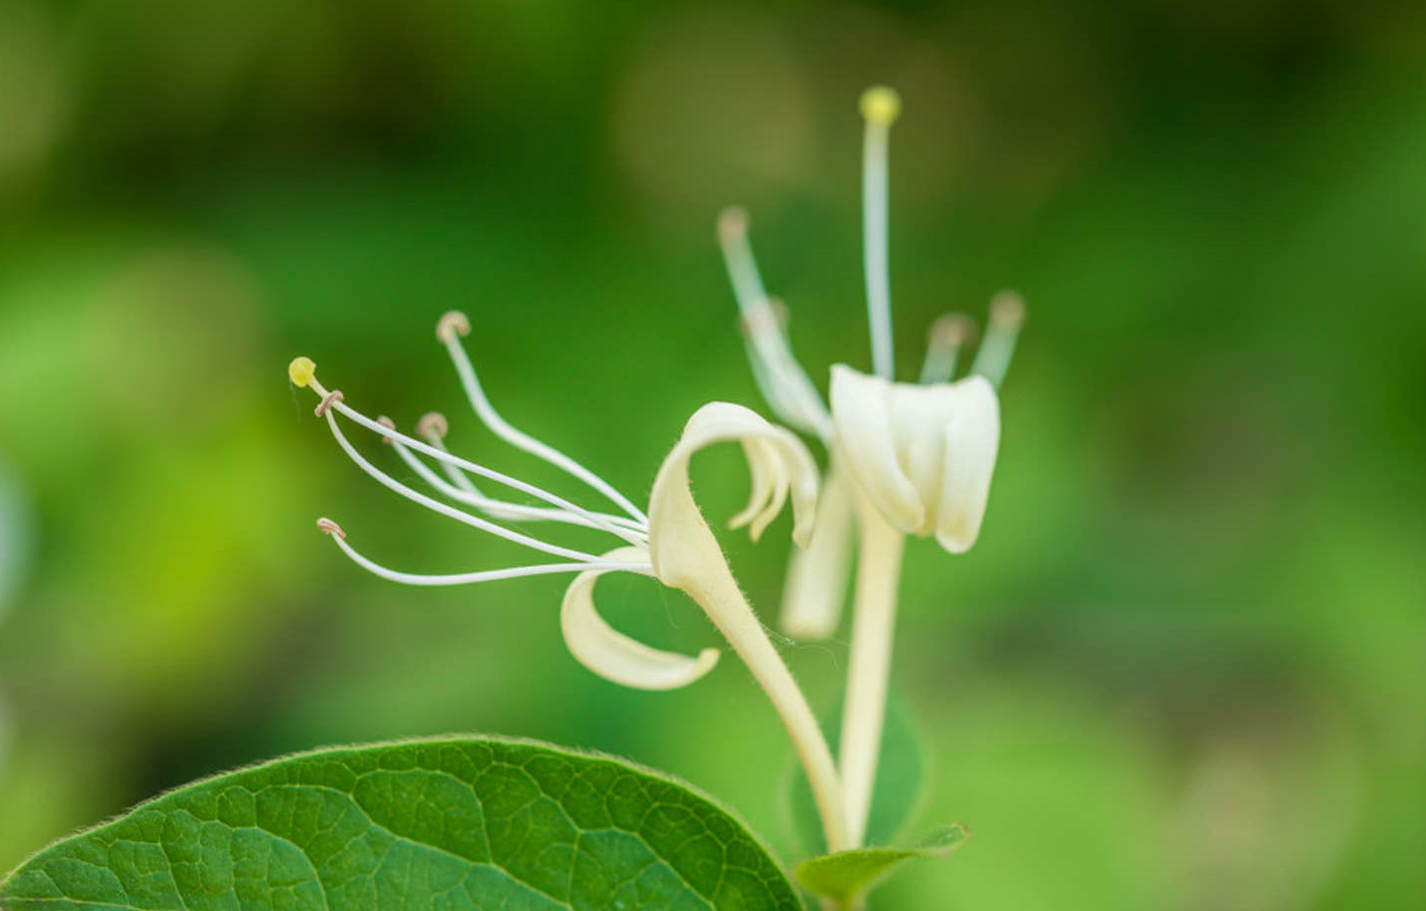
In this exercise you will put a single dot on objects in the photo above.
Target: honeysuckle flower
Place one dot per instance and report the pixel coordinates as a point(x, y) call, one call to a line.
point(904, 458)
point(671, 542)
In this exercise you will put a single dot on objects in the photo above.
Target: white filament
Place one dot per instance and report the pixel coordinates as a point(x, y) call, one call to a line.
point(392, 484)
point(780, 378)
point(878, 283)
point(464, 464)
point(458, 477)
point(1007, 314)
point(512, 512)
point(521, 440)
point(948, 335)
point(940, 364)
point(492, 575)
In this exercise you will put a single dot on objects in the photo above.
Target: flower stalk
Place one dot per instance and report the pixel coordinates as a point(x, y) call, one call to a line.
point(869, 666)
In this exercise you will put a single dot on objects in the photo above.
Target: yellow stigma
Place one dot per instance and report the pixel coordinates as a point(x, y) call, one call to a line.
point(301, 371)
point(880, 105)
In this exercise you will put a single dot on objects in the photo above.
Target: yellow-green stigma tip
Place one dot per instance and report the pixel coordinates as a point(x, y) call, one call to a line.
point(880, 105)
point(301, 371)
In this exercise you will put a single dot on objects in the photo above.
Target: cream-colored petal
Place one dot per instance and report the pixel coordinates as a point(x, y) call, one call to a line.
point(685, 555)
point(781, 486)
point(972, 439)
point(866, 440)
point(817, 577)
point(760, 484)
point(680, 543)
point(769, 487)
point(613, 655)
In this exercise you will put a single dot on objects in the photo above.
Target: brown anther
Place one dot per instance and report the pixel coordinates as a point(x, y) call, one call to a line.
point(450, 325)
point(775, 316)
point(951, 330)
point(328, 401)
point(1007, 310)
point(732, 223)
point(433, 424)
point(389, 424)
point(329, 527)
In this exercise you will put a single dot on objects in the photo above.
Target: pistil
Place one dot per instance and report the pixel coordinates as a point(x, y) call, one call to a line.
point(880, 107)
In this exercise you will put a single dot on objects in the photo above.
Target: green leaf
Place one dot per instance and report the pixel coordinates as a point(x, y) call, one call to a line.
point(452, 823)
point(846, 876)
point(900, 774)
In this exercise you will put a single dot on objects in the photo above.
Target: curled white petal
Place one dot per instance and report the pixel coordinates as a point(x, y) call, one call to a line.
point(867, 441)
point(769, 485)
point(685, 555)
point(816, 582)
point(679, 540)
point(923, 455)
point(971, 439)
point(613, 655)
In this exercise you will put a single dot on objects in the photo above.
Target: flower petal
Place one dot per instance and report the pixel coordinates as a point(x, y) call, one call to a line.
point(613, 655)
point(769, 488)
point(681, 546)
point(685, 555)
point(972, 439)
point(866, 439)
point(817, 576)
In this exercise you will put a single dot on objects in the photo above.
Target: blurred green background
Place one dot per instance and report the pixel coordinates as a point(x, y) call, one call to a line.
point(1185, 666)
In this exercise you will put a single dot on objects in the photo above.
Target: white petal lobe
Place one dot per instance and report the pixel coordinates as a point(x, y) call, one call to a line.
point(680, 543)
point(817, 577)
point(972, 439)
point(613, 655)
point(861, 414)
point(922, 455)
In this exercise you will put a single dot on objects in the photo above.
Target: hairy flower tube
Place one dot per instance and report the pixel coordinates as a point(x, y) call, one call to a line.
point(904, 458)
point(670, 542)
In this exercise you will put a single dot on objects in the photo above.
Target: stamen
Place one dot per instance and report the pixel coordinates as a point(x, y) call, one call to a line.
point(948, 334)
point(455, 324)
point(780, 379)
point(389, 424)
point(1007, 315)
point(464, 464)
point(451, 324)
point(515, 512)
point(392, 484)
point(331, 528)
point(490, 575)
point(880, 107)
point(767, 328)
point(433, 424)
point(327, 402)
point(775, 313)
point(433, 427)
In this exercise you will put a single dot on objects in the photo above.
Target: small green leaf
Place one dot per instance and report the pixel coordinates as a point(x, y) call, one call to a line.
point(453, 823)
point(900, 775)
point(846, 876)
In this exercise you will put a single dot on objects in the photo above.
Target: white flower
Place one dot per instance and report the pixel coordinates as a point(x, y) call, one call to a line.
point(904, 458)
point(923, 455)
point(671, 542)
